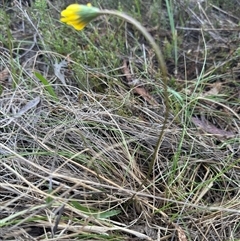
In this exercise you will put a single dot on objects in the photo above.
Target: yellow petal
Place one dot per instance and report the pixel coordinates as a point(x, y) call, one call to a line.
point(70, 17)
point(74, 7)
point(79, 26)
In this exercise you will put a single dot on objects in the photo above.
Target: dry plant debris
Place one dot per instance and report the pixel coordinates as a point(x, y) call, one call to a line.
point(141, 91)
point(71, 166)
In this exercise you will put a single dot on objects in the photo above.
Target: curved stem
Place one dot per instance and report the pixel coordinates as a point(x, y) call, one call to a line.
point(163, 70)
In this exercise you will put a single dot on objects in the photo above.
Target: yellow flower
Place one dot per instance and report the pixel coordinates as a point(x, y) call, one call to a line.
point(78, 15)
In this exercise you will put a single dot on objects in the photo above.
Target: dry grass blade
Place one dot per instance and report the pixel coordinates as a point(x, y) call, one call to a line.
point(76, 143)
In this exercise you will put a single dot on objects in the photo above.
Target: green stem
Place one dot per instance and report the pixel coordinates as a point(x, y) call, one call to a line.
point(163, 70)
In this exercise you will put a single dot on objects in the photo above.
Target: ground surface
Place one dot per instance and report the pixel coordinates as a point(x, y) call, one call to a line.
point(81, 114)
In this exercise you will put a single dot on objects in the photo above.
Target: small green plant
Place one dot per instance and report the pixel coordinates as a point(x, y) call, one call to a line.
point(78, 16)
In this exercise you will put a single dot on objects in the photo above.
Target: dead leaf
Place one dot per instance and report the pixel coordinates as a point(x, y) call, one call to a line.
point(181, 234)
point(145, 95)
point(31, 104)
point(137, 89)
point(4, 75)
point(210, 128)
point(57, 70)
point(215, 90)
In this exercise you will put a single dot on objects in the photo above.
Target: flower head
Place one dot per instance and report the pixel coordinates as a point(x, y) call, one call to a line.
point(78, 15)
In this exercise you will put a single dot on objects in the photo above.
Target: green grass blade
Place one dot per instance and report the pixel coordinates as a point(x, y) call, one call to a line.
point(48, 86)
